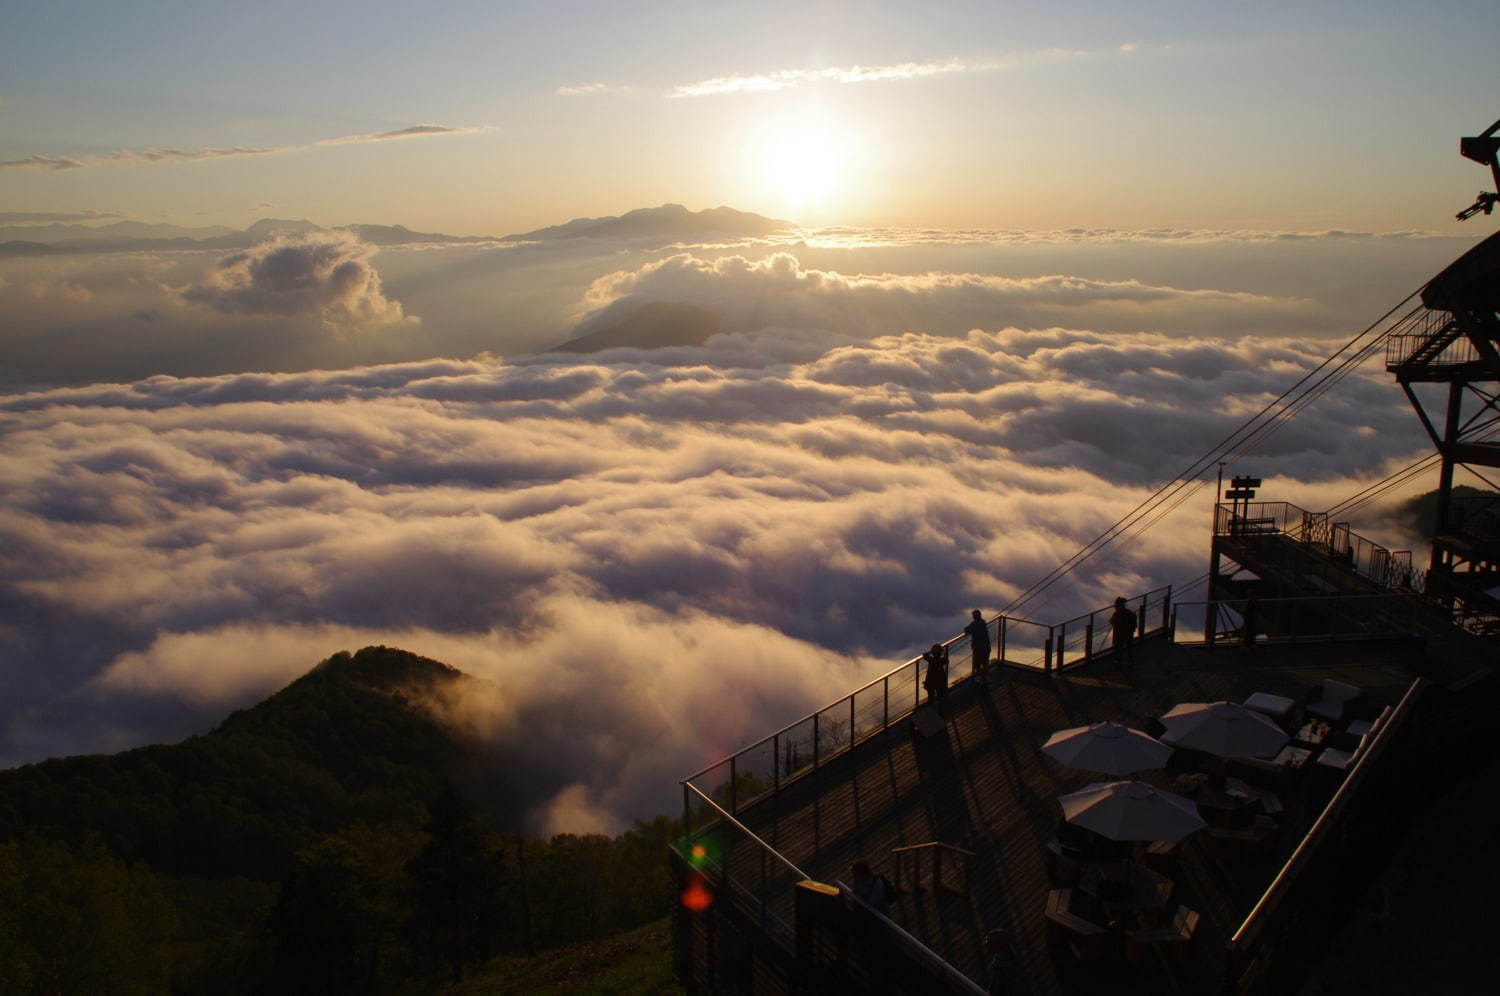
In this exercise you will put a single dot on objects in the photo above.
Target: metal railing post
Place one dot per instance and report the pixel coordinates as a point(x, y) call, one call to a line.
point(733, 788)
point(816, 743)
point(851, 722)
point(763, 888)
point(885, 695)
point(1088, 641)
point(776, 762)
point(1047, 651)
point(1001, 640)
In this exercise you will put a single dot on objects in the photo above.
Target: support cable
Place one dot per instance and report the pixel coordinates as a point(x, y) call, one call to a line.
point(1247, 437)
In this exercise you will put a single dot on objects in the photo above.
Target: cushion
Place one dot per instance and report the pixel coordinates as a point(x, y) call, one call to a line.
point(1275, 706)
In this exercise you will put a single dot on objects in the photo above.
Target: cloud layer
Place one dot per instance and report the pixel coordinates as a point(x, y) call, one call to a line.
point(675, 551)
point(778, 291)
point(77, 318)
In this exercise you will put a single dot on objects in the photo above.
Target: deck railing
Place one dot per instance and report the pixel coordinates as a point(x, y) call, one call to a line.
point(1475, 517)
point(1325, 550)
point(1326, 618)
point(803, 746)
point(1410, 336)
point(761, 884)
point(1270, 932)
point(757, 877)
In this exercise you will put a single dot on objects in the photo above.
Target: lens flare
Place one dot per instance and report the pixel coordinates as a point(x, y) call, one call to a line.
point(696, 897)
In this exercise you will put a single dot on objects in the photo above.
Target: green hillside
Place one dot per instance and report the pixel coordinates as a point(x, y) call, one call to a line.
point(314, 842)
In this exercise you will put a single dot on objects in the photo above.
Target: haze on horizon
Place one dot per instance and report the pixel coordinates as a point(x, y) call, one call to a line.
point(1051, 252)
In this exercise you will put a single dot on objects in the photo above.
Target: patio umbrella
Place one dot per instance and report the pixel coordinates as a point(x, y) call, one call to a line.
point(1222, 729)
point(1106, 747)
point(1131, 811)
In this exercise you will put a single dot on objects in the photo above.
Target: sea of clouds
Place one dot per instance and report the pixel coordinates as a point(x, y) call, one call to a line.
point(655, 556)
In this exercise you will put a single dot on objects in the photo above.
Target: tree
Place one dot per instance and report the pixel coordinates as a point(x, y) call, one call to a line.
point(457, 888)
point(80, 922)
point(331, 924)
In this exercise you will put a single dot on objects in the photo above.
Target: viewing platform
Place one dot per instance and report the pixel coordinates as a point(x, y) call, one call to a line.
point(966, 819)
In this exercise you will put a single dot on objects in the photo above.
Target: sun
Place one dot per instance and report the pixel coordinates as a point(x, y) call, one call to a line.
point(802, 167)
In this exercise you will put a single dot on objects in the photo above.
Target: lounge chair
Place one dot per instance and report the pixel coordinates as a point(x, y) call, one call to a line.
point(1278, 707)
point(1332, 699)
point(1341, 760)
point(1088, 941)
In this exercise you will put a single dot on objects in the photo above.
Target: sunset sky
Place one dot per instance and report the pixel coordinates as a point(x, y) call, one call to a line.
point(1287, 115)
point(1051, 253)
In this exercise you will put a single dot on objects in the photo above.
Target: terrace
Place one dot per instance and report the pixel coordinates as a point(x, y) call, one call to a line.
point(963, 817)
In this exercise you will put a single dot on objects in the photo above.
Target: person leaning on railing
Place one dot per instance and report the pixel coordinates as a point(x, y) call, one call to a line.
point(936, 679)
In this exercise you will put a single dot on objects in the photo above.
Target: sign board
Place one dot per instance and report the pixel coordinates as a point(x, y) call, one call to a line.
point(1235, 494)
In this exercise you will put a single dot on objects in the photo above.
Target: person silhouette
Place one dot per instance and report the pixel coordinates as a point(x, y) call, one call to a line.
point(979, 642)
point(936, 680)
point(1122, 624)
point(875, 890)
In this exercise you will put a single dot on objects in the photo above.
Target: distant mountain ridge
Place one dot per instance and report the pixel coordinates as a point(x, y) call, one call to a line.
point(669, 221)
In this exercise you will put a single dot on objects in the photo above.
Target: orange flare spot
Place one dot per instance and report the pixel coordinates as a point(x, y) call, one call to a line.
point(697, 898)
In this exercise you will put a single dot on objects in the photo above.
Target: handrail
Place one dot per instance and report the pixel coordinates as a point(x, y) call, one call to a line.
point(1275, 892)
point(934, 960)
point(948, 643)
point(948, 972)
point(933, 843)
point(1421, 330)
point(1001, 622)
point(748, 832)
point(1273, 611)
point(1332, 540)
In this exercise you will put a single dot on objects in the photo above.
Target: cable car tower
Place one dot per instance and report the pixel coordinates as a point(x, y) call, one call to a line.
point(1452, 346)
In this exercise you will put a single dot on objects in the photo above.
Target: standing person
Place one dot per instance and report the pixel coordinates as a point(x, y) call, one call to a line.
point(1247, 634)
point(874, 890)
point(1002, 961)
point(979, 642)
point(936, 681)
point(1122, 624)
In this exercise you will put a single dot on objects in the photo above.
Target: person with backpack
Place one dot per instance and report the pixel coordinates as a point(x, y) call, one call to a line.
point(875, 891)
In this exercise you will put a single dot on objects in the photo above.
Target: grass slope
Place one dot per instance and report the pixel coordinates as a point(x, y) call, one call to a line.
point(637, 963)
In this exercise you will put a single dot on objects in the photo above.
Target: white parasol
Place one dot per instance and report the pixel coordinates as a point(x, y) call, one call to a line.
point(1222, 729)
point(1131, 811)
point(1106, 747)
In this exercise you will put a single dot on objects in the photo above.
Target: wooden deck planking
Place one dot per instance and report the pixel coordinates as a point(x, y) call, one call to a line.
point(983, 784)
